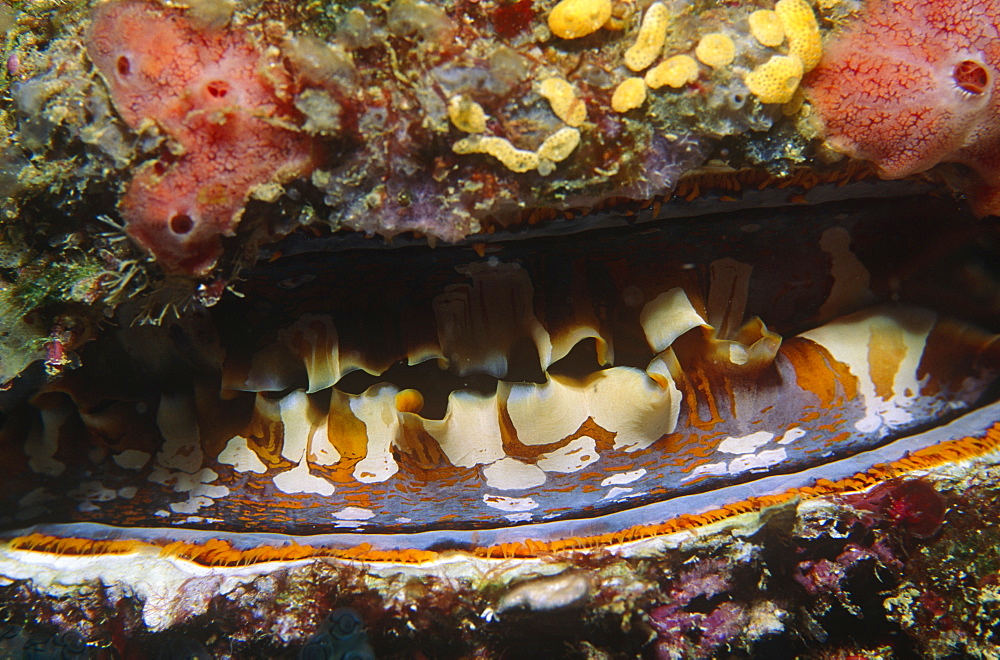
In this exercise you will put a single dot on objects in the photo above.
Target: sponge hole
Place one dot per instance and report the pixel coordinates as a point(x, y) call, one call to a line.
point(217, 89)
point(971, 77)
point(123, 66)
point(181, 223)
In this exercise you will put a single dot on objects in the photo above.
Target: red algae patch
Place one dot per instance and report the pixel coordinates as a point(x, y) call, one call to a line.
point(927, 94)
point(913, 505)
point(221, 103)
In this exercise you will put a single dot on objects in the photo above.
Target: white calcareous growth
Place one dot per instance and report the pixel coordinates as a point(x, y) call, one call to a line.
point(568, 589)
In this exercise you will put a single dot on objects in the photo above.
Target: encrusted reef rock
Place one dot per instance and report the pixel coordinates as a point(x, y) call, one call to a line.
point(440, 119)
point(203, 130)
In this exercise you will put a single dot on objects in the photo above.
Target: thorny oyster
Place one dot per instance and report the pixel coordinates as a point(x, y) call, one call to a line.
point(456, 320)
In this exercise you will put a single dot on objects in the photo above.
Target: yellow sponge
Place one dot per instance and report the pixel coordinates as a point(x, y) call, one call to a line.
point(466, 114)
point(715, 50)
point(675, 71)
point(649, 42)
point(776, 80)
point(557, 148)
point(563, 100)
point(514, 159)
point(800, 25)
point(630, 94)
point(766, 28)
point(572, 19)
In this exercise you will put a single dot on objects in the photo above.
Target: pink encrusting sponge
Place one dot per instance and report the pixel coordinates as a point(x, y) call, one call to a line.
point(223, 106)
point(913, 83)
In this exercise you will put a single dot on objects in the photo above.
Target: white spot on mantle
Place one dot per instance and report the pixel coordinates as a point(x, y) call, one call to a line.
point(707, 470)
point(505, 503)
point(299, 480)
point(623, 478)
point(576, 455)
point(132, 459)
point(617, 492)
point(191, 505)
point(238, 454)
point(511, 474)
point(746, 444)
point(354, 513)
point(518, 517)
point(761, 461)
point(791, 435)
